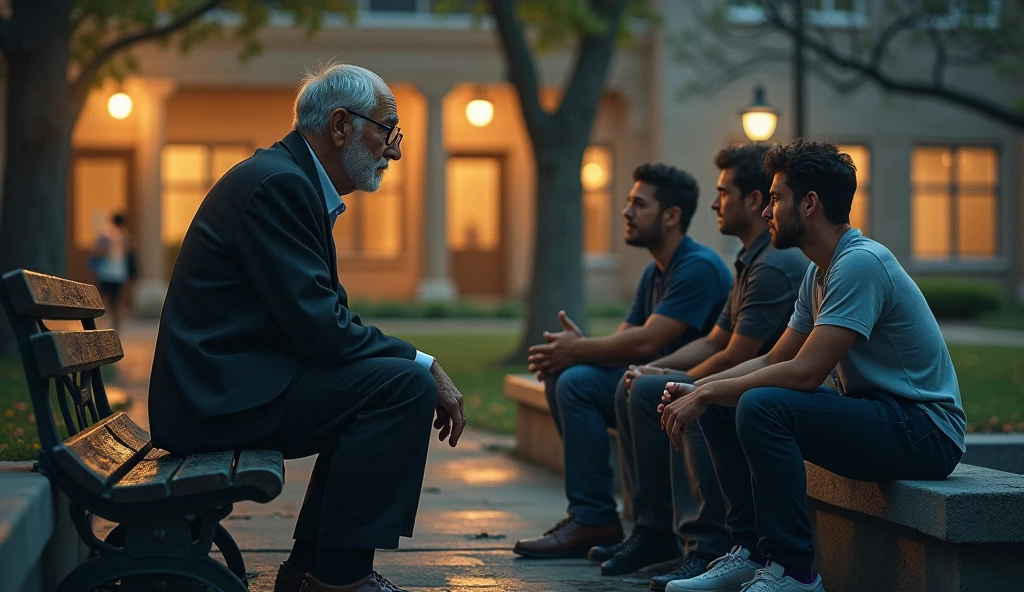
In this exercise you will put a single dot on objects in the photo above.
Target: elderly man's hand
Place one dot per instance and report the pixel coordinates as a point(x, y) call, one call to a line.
point(636, 372)
point(451, 418)
point(553, 357)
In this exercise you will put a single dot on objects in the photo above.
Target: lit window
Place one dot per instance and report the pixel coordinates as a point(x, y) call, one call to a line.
point(187, 173)
point(860, 212)
point(955, 202)
point(826, 13)
point(371, 226)
point(595, 175)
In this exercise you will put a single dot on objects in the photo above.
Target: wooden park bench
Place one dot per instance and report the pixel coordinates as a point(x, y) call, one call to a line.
point(167, 508)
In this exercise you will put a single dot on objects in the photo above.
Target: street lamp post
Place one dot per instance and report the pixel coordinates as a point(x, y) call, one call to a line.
point(759, 119)
point(798, 69)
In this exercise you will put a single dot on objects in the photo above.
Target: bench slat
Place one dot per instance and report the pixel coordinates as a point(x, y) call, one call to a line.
point(95, 458)
point(129, 432)
point(48, 297)
point(200, 473)
point(262, 469)
point(150, 480)
point(64, 352)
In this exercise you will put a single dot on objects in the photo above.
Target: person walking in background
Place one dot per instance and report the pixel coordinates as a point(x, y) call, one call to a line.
point(112, 264)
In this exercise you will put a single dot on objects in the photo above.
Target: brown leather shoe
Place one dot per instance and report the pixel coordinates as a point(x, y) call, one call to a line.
point(569, 538)
point(289, 578)
point(371, 583)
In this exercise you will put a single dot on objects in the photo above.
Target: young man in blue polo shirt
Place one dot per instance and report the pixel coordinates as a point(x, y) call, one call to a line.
point(677, 300)
point(895, 412)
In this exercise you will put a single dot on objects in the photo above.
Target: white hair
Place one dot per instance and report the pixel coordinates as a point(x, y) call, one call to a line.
point(330, 87)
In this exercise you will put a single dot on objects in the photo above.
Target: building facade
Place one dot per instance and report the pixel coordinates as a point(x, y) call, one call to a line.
point(939, 186)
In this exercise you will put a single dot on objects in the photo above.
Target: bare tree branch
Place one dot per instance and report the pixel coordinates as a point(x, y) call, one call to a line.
point(941, 58)
point(80, 88)
point(874, 72)
point(522, 72)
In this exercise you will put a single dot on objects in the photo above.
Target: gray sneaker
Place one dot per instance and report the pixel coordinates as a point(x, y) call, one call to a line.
point(771, 579)
point(728, 573)
point(689, 567)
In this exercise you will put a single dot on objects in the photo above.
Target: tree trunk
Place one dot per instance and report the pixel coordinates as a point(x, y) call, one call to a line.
point(33, 213)
point(558, 244)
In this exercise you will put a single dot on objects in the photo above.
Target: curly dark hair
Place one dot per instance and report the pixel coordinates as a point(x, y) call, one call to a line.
point(748, 163)
point(817, 167)
point(672, 188)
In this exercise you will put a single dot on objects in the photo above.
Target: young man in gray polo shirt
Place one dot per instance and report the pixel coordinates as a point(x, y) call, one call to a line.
point(896, 411)
point(676, 497)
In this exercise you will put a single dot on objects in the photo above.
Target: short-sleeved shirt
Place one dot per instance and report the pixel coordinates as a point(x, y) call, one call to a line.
point(764, 291)
point(899, 348)
point(692, 288)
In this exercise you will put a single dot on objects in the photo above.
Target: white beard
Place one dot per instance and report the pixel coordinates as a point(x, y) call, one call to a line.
point(362, 168)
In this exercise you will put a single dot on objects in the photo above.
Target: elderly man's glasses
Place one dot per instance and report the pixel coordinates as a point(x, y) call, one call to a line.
point(394, 132)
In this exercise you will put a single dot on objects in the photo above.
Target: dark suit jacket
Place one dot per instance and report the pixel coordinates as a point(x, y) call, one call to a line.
point(254, 294)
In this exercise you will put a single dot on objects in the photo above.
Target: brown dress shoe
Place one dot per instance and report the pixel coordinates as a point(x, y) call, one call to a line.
point(289, 578)
point(371, 583)
point(569, 538)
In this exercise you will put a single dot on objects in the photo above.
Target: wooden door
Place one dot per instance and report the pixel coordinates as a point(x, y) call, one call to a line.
point(474, 211)
point(100, 184)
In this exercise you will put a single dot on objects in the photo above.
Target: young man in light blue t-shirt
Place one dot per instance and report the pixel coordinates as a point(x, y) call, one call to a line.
point(895, 412)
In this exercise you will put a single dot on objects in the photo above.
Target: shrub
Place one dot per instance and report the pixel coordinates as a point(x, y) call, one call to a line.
point(960, 298)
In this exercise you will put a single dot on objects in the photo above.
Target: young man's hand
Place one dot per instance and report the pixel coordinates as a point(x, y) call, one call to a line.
point(451, 417)
point(681, 404)
point(636, 372)
point(555, 355)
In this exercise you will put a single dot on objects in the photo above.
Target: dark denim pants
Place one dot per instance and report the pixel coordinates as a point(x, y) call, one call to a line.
point(582, 402)
point(758, 449)
point(671, 491)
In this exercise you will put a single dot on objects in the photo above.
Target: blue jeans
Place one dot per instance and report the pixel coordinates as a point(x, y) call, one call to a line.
point(671, 491)
point(582, 402)
point(758, 450)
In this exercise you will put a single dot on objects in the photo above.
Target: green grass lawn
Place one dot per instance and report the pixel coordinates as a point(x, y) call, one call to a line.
point(1011, 317)
point(991, 383)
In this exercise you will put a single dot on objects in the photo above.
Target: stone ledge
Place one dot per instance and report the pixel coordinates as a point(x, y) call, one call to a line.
point(26, 524)
point(1003, 452)
point(974, 505)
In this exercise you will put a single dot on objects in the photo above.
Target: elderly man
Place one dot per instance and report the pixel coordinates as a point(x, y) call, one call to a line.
point(257, 347)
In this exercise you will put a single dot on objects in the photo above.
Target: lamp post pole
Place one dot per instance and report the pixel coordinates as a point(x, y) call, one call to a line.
point(798, 69)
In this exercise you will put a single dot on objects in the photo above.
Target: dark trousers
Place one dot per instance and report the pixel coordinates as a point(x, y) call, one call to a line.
point(670, 490)
point(370, 424)
point(582, 403)
point(758, 449)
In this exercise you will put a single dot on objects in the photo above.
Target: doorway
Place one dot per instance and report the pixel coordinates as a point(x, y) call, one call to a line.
point(100, 184)
point(474, 211)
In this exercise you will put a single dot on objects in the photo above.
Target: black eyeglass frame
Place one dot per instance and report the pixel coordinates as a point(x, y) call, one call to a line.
point(394, 132)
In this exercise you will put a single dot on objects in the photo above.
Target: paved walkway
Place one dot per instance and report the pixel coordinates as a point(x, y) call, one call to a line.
point(477, 501)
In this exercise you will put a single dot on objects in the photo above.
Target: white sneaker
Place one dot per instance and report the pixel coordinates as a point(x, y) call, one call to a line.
point(770, 579)
point(726, 574)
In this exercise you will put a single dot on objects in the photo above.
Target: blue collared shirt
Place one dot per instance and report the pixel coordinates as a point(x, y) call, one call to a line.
point(336, 207)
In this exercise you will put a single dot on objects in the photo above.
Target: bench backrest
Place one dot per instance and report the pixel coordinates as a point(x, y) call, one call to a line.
point(70, 360)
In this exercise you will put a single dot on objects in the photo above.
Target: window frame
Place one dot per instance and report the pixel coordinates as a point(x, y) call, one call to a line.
point(955, 19)
point(352, 208)
point(856, 18)
point(953, 261)
point(208, 182)
point(600, 259)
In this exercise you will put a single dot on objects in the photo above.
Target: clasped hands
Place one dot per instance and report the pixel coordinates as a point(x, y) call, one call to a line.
point(680, 404)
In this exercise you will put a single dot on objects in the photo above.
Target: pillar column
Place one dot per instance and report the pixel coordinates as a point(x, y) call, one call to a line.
point(435, 275)
point(150, 98)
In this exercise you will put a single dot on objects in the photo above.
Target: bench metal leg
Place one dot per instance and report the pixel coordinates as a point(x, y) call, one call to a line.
point(232, 555)
point(97, 572)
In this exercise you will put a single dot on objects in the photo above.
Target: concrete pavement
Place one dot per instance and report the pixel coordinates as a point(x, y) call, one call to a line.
point(477, 500)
